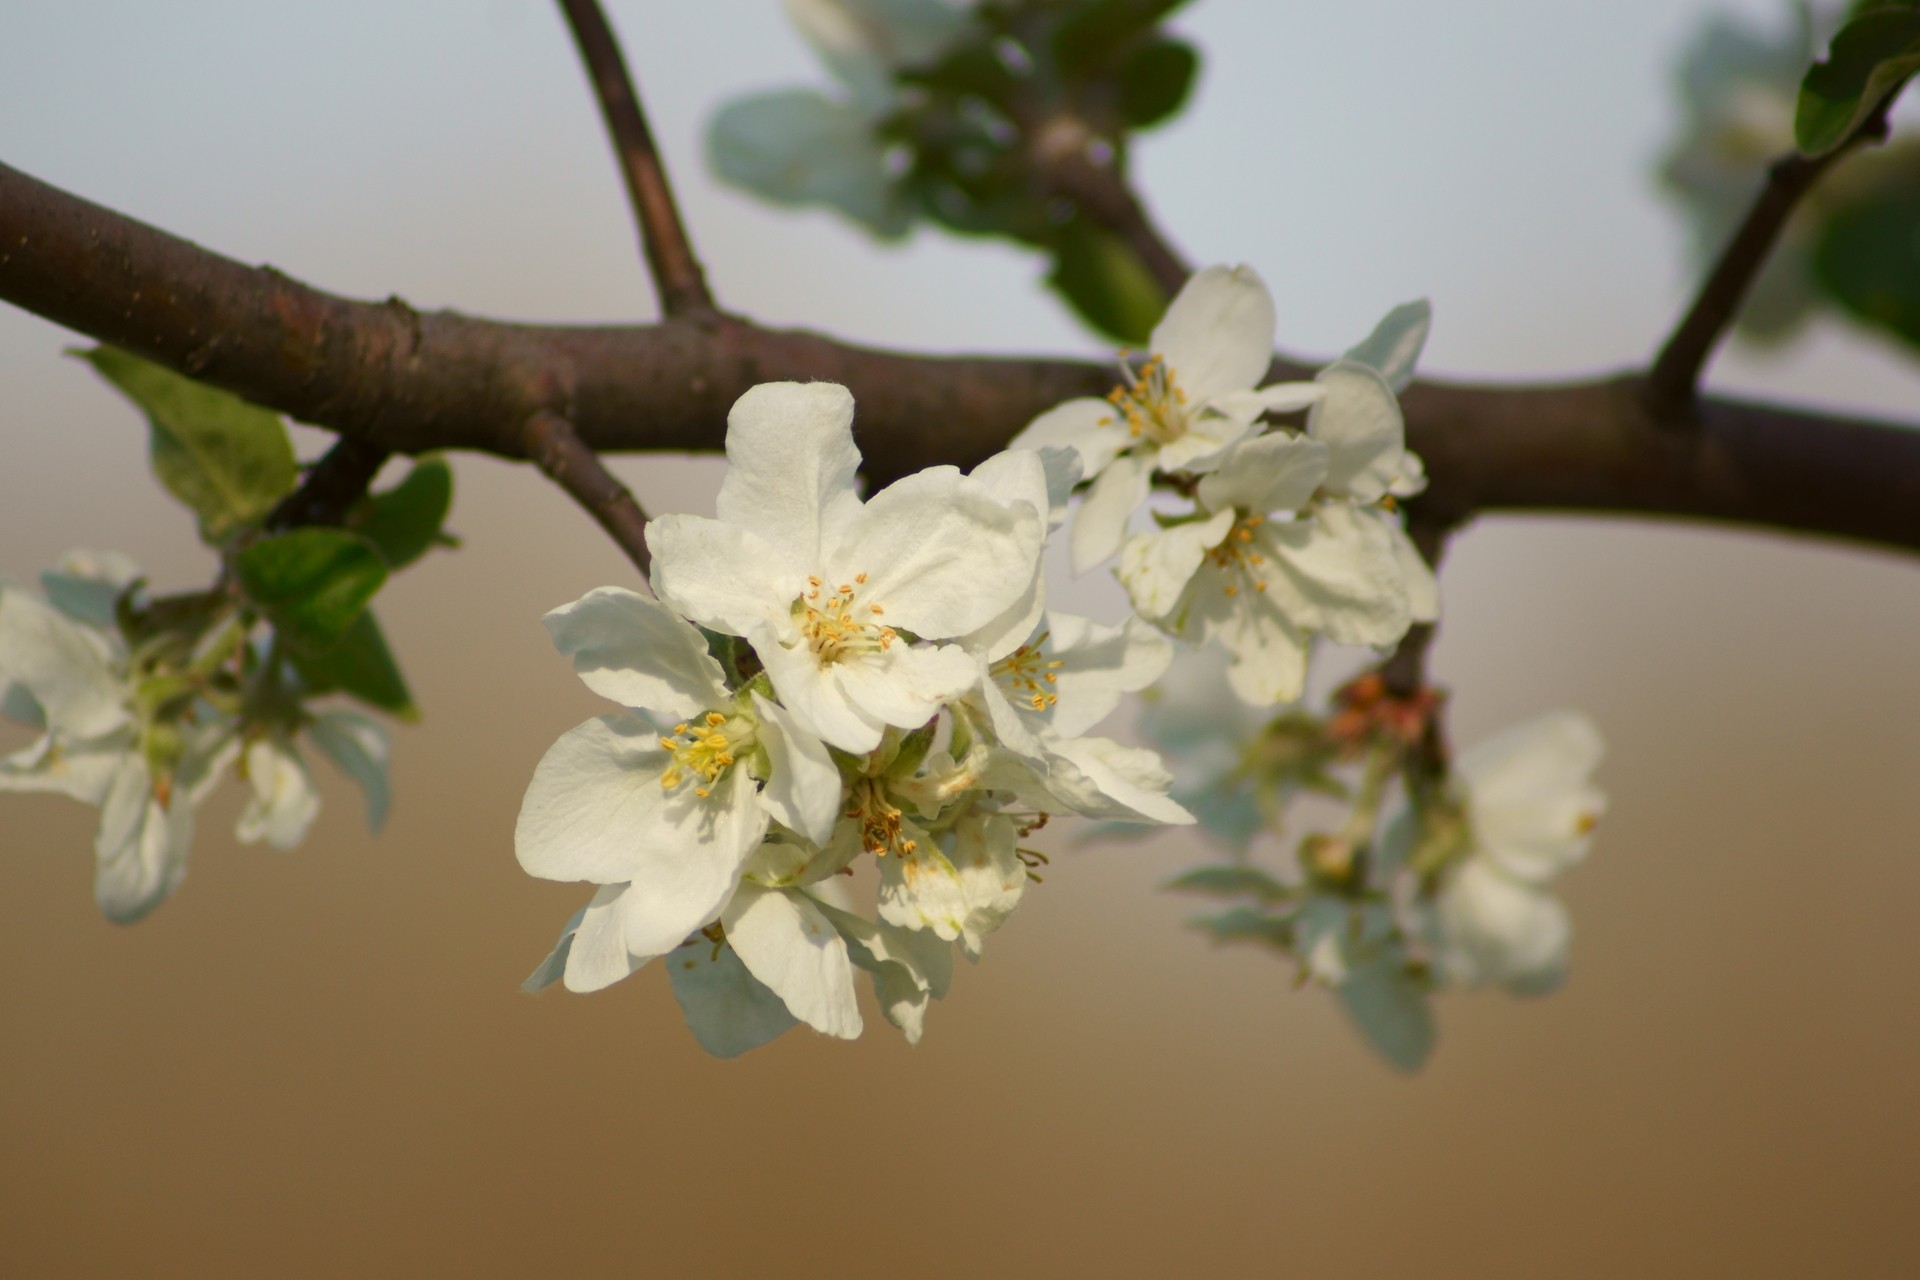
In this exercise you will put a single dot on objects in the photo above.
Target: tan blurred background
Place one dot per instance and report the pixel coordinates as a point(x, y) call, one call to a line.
point(318, 1064)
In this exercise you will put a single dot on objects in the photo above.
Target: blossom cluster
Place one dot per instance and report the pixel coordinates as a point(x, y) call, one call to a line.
point(1443, 880)
point(820, 680)
point(144, 720)
point(1279, 535)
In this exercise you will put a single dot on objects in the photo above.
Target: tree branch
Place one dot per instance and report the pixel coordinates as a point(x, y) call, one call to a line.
point(1675, 376)
point(411, 382)
point(556, 448)
point(663, 237)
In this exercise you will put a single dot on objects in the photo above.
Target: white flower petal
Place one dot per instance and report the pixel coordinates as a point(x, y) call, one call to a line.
point(789, 945)
point(941, 555)
point(551, 969)
point(1218, 332)
point(722, 576)
point(1156, 567)
point(1359, 421)
point(1335, 572)
point(596, 811)
point(1088, 426)
point(1275, 472)
point(812, 692)
point(82, 770)
point(804, 790)
point(790, 465)
point(599, 954)
point(1101, 523)
point(359, 748)
point(1023, 476)
point(1416, 576)
point(921, 890)
point(284, 803)
point(1104, 779)
point(726, 1008)
point(1269, 650)
point(141, 849)
point(62, 664)
point(905, 687)
point(1394, 346)
point(1531, 802)
point(992, 877)
point(910, 967)
point(638, 652)
point(1497, 930)
point(1098, 665)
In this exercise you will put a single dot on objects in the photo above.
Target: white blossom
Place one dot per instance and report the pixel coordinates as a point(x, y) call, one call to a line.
point(1530, 807)
point(68, 674)
point(1193, 398)
point(1260, 568)
point(827, 588)
point(661, 805)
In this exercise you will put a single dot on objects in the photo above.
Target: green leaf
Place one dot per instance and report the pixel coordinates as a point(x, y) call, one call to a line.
point(1869, 60)
point(1389, 1007)
point(1231, 882)
point(797, 147)
point(404, 521)
point(1867, 259)
point(1088, 41)
point(229, 461)
point(1106, 284)
point(1156, 81)
point(311, 583)
point(360, 665)
point(1249, 924)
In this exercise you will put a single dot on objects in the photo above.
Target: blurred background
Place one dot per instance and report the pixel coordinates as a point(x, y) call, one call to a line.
point(318, 1063)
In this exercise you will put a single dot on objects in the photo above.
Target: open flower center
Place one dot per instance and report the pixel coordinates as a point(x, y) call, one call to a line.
point(705, 751)
point(880, 821)
point(1150, 402)
point(1028, 674)
point(1237, 555)
point(839, 623)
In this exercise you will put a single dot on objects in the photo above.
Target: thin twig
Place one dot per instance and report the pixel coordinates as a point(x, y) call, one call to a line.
point(663, 237)
point(1673, 382)
point(556, 448)
point(332, 486)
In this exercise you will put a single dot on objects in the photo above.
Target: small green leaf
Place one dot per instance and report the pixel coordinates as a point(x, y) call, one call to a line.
point(797, 147)
point(1156, 81)
point(360, 665)
point(973, 70)
point(1087, 42)
point(1867, 259)
point(1389, 1007)
point(229, 461)
point(311, 583)
point(1112, 290)
point(1231, 882)
point(1869, 60)
point(404, 521)
point(1249, 924)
